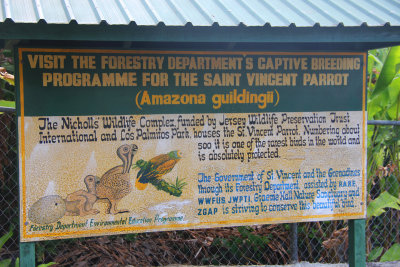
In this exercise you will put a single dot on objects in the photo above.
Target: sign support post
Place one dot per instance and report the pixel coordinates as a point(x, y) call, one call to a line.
point(294, 243)
point(357, 243)
point(27, 254)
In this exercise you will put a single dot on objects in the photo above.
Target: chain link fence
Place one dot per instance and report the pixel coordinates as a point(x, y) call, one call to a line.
point(324, 242)
point(9, 208)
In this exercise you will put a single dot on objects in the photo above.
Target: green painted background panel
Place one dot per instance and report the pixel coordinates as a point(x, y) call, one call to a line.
point(57, 101)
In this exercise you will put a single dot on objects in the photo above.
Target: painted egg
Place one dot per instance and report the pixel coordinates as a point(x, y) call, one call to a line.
point(47, 209)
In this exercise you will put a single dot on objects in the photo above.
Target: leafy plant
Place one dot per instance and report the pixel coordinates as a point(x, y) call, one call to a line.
point(179, 184)
point(3, 240)
point(7, 95)
point(47, 264)
point(375, 253)
point(7, 262)
point(393, 254)
point(383, 154)
point(385, 200)
point(245, 248)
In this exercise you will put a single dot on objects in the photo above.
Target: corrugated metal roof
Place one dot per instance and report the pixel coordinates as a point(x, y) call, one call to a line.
point(276, 13)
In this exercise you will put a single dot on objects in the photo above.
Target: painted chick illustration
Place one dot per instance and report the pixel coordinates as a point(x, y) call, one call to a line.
point(115, 183)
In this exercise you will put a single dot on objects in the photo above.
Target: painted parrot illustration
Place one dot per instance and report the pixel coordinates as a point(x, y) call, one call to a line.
point(152, 171)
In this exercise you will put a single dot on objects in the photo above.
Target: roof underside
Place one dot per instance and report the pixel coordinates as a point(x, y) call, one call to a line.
point(362, 23)
point(276, 13)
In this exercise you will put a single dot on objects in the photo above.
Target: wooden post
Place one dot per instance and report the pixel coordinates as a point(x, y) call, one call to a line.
point(27, 254)
point(357, 243)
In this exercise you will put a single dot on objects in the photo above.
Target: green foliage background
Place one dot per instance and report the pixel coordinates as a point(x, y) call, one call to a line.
point(383, 153)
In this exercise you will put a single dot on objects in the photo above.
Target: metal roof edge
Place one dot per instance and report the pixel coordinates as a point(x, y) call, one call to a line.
point(190, 33)
point(278, 13)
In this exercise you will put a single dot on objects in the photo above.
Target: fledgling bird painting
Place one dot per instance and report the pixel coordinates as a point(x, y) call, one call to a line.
point(115, 183)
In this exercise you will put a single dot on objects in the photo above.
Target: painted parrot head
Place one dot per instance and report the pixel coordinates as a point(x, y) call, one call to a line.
point(176, 154)
point(140, 163)
point(126, 153)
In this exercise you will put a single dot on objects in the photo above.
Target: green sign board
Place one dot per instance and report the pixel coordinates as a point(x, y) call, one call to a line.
point(122, 141)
